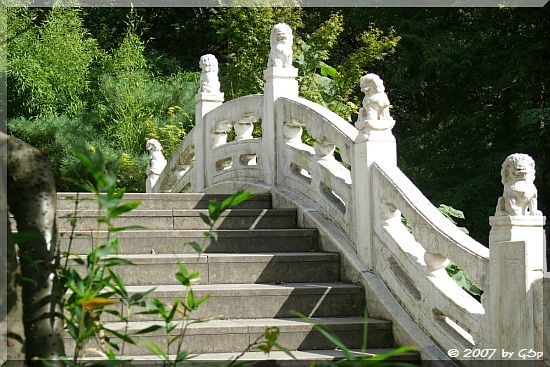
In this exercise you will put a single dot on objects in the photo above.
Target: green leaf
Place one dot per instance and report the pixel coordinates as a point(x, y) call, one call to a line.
point(173, 311)
point(149, 329)
point(327, 70)
point(119, 335)
point(210, 234)
point(196, 246)
point(182, 356)
point(329, 335)
point(234, 200)
point(115, 261)
point(136, 297)
point(123, 208)
point(157, 350)
point(118, 282)
point(206, 219)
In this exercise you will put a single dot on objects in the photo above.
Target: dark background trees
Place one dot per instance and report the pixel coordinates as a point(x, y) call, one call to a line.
point(467, 85)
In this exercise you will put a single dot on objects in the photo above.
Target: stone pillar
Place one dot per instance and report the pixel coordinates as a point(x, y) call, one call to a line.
point(514, 306)
point(279, 82)
point(208, 98)
point(516, 269)
point(374, 143)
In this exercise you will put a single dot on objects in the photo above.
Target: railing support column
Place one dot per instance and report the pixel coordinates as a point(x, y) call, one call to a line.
point(516, 269)
point(279, 82)
point(208, 98)
point(374, 143)
point(517, 262)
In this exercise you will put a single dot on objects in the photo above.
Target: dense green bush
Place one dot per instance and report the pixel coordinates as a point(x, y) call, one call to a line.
point(48, 65)
point(65, 90)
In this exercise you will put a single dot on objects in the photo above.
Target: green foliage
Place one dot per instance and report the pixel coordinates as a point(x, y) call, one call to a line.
point(450, 213)
point(463, 280)
point(55, 136)
point(110, 100)
point(134, 105)
point(99, 286)
point(48, 66)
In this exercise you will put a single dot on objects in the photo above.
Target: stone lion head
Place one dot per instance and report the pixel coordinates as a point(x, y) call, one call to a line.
point(371, 83)
point(208, 63)
point(281, 34)
point(518, 167)
point(153, 145)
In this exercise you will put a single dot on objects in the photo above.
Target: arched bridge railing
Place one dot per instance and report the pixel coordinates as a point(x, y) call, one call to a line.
point(350, 176)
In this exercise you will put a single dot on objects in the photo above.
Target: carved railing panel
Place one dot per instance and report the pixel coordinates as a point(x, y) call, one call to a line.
point(240, 157)
point(178, 172)
point(412, 263)
point(314, 171)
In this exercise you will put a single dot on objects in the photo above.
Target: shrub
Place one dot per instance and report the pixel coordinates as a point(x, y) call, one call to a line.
point(48, 65)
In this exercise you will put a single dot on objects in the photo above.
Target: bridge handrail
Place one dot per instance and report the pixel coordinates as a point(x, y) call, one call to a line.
point(179, 167)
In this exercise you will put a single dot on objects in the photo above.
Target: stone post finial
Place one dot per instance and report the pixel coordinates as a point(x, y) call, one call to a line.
point(209, 82)
point(156, 164)
point(520, 193)
point(374, 116)
point(281, 40)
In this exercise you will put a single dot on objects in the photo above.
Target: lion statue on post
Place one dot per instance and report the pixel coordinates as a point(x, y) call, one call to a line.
point(209, 82)
point(520, 193)
point(156, 165)
point(281, 40)
point(376, 105)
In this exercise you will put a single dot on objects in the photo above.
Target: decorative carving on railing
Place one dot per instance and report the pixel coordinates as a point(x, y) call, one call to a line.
point(224, 160)
point(281, 40)
point(209, 82)
point(520, 193)
point(180, 164)
point(313, 172)
point(156, 163)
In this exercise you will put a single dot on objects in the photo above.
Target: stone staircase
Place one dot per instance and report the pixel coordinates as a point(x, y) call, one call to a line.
point(259, 270)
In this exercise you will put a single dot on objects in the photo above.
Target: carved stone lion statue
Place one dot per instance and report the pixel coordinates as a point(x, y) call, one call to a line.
point(376, 105)
point(156, 165)
point(520, 193)
point(209, 82)
point(281, 46)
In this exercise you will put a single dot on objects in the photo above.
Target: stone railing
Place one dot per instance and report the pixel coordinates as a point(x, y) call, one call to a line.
point(365, 195)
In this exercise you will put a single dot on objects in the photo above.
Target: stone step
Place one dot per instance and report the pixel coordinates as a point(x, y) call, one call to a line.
point(234, 301)
point(184, 219)
point(302, 358)
point(173, 241)
point(87, 201)
point(288, 267)
point(234, 335)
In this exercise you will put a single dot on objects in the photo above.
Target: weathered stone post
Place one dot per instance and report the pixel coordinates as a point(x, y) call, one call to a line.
point(280, 81)
point(514, 306)
point(374, 143)
point(208, 98)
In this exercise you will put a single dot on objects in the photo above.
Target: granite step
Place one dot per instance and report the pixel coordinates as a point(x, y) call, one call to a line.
point(183, 219)
point(173, 241)
point(230, 335)
point(302, 358)
point(235, 301)
point(219, 268)
point(87, 201)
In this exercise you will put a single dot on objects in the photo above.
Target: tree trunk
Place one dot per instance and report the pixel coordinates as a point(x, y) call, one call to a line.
point(32, 201)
